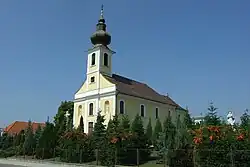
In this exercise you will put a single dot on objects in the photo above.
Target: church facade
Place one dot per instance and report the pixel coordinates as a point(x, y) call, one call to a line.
point(112, 94)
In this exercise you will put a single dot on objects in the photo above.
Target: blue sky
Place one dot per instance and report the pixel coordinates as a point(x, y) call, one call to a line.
point(196, 51)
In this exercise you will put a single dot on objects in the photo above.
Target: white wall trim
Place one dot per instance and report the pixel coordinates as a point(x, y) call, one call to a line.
point(95, 92)
point(114, 106)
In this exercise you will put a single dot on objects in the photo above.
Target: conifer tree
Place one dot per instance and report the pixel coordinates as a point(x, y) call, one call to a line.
point(29, 140)
point(99, 138)
point(47, 141)
point(157, 132)
point(37, 135)
point(211, 118)
point(149, 131)
point(125, 124)
point(245, 119)
point(113, 141)
point(80, 128)
point(167, 140)
point(140, 141)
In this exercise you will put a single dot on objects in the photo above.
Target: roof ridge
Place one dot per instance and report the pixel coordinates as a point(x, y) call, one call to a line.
point(129, 79)
point(10, 126)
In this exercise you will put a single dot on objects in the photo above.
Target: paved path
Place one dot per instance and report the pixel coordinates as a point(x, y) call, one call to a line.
point(5, 165)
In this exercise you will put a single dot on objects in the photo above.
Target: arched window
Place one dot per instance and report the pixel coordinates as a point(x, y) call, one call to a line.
point(142, 110)
point(169, 113)
point(122, 107)
point(156, 113)
point(106, 107)
point(93, 59)
point(106, 59)
point(91, 109)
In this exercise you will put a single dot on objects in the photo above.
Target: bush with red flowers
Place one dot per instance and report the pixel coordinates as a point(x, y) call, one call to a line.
point(221, 146)
point(76, 146)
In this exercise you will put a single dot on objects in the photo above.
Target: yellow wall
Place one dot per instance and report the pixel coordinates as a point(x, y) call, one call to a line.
point(107, 111)
point(132, 107)
point(87, 86)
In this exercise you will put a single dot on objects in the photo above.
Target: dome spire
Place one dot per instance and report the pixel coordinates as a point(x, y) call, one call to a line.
point(100, 36)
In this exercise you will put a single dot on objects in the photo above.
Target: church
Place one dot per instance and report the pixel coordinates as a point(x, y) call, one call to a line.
point(112, 94)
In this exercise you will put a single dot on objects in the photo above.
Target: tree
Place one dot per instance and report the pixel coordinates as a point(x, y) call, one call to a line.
point(37, 135)
point(211, 118)
point(245, 119)
point(81, 125)
point(140, 140)
point(113, 137)
point(60, 119)
point(76, 147)
point(157, 132)
point(99, 138)
point(29, 142)
point(125, 124)
point(188, 120)
point(47, 141)
point(167, 140)
point(149, 131)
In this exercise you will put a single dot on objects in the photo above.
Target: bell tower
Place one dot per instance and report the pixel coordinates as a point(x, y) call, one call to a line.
point(99, 55)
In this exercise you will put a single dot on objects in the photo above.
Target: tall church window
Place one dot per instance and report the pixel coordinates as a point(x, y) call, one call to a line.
point(122, 107)
point(93, 59)
point(106, 60)
point(91, 127)
point(156, 113)
point(106, 107)
point(91, 109)
point(142, 110)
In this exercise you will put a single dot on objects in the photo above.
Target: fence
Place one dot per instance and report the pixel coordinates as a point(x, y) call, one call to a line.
point(140, 157)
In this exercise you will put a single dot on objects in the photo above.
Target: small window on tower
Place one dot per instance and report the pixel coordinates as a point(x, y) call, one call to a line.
point(106, 58)
point(92, 79)
point(93, 59)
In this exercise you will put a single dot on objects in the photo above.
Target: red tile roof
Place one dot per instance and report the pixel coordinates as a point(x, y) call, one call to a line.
point(17, 126)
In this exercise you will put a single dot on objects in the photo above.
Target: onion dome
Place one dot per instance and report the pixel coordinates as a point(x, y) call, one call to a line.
point(100, 36)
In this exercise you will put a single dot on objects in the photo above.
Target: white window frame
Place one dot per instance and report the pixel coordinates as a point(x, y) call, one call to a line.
point(124, 111)
point(144, 110)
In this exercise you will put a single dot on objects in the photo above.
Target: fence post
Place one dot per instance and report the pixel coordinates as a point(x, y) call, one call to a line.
point(97, 156)
point(43, 153)
point(164, 157)
point(138, 157)
point(115, 156)
point(80, 155)
point(231, 157)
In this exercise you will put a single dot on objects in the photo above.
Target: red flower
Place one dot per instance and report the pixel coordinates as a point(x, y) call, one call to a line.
point(114, 140)
point(197, 140)
point(240, 137)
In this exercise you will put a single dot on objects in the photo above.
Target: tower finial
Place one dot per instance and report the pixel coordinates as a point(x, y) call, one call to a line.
point(101, 16)
point(102, 10)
